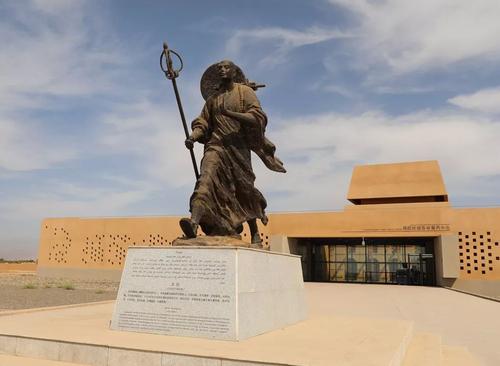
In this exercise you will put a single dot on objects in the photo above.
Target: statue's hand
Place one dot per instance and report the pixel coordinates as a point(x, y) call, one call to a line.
point(189, 143)
point(223, 110)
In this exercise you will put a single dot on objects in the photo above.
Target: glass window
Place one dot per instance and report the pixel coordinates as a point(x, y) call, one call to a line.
point(361, 272)
point(375, 253)
point(332, 252)
point(321, 271)
point(351, 271)
point(394, 269)
point(412, 254)
point(375, 272)
point(394, 261)
point(320, 253)
point(340, 269)
point(415, 249)
point(395, 253)
point(356, 253)
point(340, 253)
point(337, 272)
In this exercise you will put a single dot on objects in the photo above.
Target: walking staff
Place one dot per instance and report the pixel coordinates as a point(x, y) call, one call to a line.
point(172, 74)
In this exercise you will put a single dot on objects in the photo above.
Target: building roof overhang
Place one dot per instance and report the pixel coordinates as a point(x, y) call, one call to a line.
point(410, 182)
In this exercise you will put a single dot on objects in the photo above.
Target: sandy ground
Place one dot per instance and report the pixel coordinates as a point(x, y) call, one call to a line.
point(17, 267)
point(27, 290)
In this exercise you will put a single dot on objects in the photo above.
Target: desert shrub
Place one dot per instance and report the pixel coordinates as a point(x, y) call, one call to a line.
point(66, 286)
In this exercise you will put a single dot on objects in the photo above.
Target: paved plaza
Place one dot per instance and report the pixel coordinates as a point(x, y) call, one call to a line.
point(349, 323)
point(461, 320)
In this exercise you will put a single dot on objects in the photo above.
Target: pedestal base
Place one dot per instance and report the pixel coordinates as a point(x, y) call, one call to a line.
point(211, 241)
point(228, 293)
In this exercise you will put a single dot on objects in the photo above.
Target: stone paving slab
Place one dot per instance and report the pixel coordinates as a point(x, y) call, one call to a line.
point(319, 341)
point(6, 360)
point(460, 319)
point(458, 356)
point(424, 349)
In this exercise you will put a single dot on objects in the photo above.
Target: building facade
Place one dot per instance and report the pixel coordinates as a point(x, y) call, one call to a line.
point(399, 229)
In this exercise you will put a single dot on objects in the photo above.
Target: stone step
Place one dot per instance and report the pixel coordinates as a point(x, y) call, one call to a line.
point(424, 350)
point(458, 356)
point(7, 360)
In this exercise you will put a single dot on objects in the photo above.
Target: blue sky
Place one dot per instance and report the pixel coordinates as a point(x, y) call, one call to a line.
point(89, 125)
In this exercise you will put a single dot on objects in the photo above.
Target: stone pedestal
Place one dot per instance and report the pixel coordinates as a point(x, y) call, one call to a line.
point(227, 293)
point(211, 241)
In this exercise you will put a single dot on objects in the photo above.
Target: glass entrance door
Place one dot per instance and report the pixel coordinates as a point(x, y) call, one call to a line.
point(356, 263)
point(375, 264)
point(421, 269)
point(379, 260)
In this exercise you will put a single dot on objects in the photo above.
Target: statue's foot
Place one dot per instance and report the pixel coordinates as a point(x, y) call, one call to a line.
point(188, 227)
point(256, 241)
point(264, 220)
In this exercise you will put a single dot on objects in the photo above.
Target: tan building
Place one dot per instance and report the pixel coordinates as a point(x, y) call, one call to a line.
point(399, 229)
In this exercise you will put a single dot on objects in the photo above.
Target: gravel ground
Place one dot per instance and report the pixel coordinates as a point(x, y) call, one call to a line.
point(25, 291)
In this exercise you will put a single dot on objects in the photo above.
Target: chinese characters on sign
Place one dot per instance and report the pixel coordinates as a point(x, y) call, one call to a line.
point(427, 227)
point(177, 292)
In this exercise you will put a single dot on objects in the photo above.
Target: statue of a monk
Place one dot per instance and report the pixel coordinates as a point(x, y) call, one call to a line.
point(231, 125)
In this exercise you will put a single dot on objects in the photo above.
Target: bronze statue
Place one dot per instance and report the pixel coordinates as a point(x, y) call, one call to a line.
point(231, 124)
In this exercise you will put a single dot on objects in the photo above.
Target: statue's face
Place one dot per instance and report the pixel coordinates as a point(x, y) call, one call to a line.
point(226, 70)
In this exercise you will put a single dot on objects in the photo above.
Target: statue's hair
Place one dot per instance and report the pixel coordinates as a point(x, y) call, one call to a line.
point(233, 65)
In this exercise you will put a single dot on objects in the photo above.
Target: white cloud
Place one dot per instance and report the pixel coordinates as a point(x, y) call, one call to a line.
point(389, 41)
point(326, 86)
point(51, 53)
point(55, 6)
point(56, 54)
point(153, 133)
point(50, 49)
point(408, 35)
point(320, 152)
point(283, 40)
point(485, 100)
point(72, 200)
point(54, 51)
point(23, 149)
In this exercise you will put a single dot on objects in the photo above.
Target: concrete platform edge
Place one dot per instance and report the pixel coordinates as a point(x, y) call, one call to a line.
point(49, 349)
point(48, 308)
point(472, 294)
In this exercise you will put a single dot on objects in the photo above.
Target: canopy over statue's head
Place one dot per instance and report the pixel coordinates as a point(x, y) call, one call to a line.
point(211, 79)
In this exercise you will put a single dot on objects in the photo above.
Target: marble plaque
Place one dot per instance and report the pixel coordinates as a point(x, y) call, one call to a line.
point(184, 292)
point(226, 293)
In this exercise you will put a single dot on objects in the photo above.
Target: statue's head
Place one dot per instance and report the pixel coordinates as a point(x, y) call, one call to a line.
point(226, 70)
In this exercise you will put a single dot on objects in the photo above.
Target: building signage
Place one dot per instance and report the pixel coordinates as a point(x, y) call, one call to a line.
point(427, 227)
point(406, 228)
